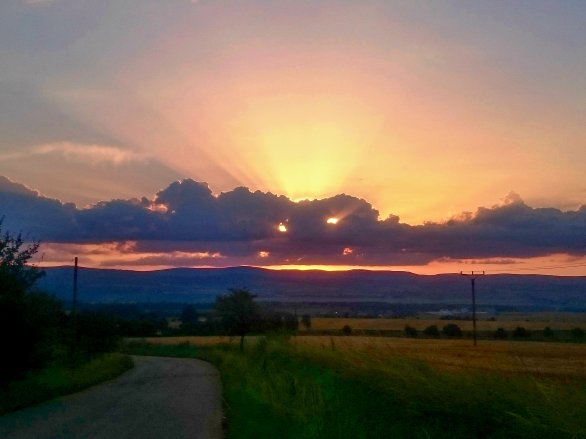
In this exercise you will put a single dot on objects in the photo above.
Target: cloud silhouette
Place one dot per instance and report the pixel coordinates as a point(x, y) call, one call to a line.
point(187, 223)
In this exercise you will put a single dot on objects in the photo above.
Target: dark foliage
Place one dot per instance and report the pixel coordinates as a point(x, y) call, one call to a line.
point(306, 321)
point(238, 313)
point(189, 315)
point(432, 331)
point(96, 333)
point(578, 333)
point(32, 324)
point(548, 332)
point(346, 330)
point(452, 330)
point(500, 334)
point(521, 332)
point(37, 330)
point(271, 321)
point(29, 320)
point(410, 331)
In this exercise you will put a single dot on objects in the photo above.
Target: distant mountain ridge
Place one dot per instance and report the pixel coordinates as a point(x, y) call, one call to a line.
point(202, 285)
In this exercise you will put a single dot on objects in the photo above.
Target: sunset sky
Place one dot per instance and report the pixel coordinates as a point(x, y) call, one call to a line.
point(457, 131)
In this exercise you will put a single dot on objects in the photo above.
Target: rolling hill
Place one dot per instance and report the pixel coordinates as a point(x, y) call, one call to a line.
point(184, 285)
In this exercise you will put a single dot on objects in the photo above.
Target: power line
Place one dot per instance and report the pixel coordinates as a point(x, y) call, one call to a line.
point(550, 267)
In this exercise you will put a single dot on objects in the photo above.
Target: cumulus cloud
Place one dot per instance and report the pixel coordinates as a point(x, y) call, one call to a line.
point(186, 224)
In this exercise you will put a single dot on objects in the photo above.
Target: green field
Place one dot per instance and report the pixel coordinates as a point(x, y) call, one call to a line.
point(283, 389)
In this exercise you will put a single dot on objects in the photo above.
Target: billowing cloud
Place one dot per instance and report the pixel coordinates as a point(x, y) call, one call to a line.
point(186, 224)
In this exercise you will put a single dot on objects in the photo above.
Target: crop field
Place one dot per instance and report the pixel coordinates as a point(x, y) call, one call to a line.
point(540, 358)
point(212, 340)
point(536, 358)
point(372, 387)
point(532, 322)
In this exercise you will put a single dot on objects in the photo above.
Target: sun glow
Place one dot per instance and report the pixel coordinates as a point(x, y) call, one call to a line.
point(332, 220)
point(282, 228)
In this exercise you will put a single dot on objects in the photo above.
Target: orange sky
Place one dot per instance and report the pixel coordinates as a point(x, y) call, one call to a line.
point(424, 111)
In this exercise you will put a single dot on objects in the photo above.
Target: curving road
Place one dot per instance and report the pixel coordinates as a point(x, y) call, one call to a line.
point(158, 398)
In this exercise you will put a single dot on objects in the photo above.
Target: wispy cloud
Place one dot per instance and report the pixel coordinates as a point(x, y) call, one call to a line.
point(38, 2)
point(89, 153)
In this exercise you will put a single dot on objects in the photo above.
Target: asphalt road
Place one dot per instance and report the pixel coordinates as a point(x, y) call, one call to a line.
point(158, 398)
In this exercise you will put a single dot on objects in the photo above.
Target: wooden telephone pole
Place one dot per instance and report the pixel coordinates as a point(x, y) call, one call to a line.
point(74, 310)
point(473, 275)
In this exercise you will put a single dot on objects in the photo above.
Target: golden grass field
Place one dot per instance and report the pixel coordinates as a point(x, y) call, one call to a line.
point(194, 340)
point(533, 322)
point(539, 358)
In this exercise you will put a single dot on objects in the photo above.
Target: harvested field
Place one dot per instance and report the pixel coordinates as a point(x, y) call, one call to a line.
point(510, 322)
point(192, 340)
point(540, 358)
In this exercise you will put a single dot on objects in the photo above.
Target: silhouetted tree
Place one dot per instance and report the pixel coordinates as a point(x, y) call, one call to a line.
point(270, 320)
point(29, 320)
point(189, 315)
point(306, 321)
point(290, 322)
point(410, 331)
point(500, 333)
point(346, 330)
point(578, 333)
point(97, 332)
point(521, 332)
point(452, 330)
point(238, 312)
point(16, 273)
point(432, 331)
point(189, 320)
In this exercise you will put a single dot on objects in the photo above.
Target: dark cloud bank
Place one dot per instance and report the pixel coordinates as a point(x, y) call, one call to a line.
point(187, 217)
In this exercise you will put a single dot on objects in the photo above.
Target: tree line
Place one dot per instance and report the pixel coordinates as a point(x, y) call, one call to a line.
point(39, 331)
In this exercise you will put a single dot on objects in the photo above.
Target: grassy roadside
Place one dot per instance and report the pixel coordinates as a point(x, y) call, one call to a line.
point(275, 389)
point(56, 381)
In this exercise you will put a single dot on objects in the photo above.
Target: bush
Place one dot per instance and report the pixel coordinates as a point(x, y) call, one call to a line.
point(32, 325)
point(521, 332)
point(410, 331)
point(452, 330)
point(346, 330)
point(431, 331)
point(276, 321)
point(96, 333)
point(501, 334)
point(548, 332)
point(29, 320)
point(189, 315)
point(577, 333)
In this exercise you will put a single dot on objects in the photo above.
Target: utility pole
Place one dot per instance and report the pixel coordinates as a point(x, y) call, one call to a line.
point(74, 307)
point(74, 301)
point(473, 275)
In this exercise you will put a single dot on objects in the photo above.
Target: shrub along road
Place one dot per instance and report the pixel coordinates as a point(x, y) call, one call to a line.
point(160, 397)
